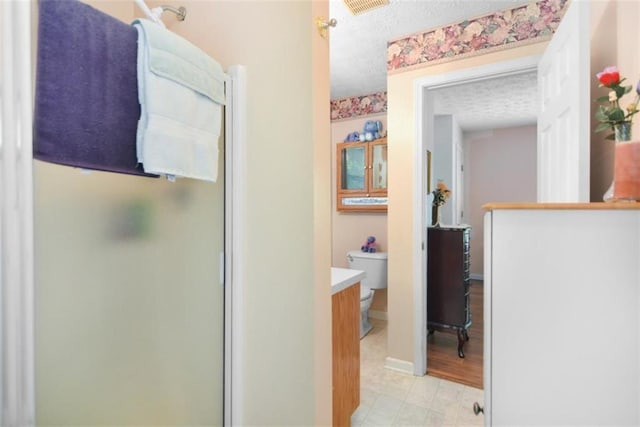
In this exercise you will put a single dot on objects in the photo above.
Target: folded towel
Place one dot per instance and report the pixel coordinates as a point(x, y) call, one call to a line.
point(181, 92)
point(86, 106)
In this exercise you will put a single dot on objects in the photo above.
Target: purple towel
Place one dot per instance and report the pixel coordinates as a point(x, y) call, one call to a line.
point(86, 105)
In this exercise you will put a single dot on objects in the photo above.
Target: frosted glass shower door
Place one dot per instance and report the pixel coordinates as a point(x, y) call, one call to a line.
point(129, 305)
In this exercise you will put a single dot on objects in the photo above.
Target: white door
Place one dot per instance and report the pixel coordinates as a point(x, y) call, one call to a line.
point(563, 111)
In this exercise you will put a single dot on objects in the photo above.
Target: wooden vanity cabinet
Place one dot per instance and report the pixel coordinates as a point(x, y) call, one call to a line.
point(448, 307)
point(346, 354)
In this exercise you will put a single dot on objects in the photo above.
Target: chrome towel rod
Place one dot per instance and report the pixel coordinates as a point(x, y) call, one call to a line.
point(154, 14)
point(181, 11)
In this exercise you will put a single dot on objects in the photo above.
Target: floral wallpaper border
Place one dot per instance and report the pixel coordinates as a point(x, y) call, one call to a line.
point(355, 106)
point(506, 29)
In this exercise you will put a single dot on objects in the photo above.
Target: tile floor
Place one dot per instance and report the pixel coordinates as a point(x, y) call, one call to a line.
point(391, 398)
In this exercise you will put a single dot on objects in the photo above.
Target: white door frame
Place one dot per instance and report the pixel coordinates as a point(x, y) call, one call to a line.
point(234, 240)
point(16, 220)
point(424, 138)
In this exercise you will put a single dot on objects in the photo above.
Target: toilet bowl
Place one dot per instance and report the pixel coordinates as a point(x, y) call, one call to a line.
point(375, 267)
point(366, 298)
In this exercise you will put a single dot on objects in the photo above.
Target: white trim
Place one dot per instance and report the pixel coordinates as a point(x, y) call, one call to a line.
point(16, 267)
point(235, 243)
point(638, 281)
point(488, 321)
point(228, 246)
point(476, 276)
point(378, 314)
point(424, 112)
point(399, 365)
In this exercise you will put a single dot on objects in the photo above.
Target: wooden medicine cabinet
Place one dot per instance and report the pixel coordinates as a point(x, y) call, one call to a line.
point(362, 176)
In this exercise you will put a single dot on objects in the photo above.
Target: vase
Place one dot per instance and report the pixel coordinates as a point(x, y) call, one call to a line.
point(626, 167)
point(436, 216)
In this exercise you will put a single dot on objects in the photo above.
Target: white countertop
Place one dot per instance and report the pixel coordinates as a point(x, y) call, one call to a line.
point(342, 278)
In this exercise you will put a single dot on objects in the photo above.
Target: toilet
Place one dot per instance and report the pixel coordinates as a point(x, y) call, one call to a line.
point(375, 266)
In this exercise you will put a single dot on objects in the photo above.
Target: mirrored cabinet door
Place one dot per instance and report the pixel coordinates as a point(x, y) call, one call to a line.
point(354, 163)
point(378, 166)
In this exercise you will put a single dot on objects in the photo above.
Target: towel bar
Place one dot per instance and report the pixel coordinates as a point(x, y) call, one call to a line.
point(181, 11)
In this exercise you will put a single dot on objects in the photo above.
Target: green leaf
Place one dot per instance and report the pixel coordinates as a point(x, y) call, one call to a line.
point(612, 137)
point(627, 89)
point(603, 99)
point(603, 126)
point(619, 91)
point(616, 115)
point(601, 114)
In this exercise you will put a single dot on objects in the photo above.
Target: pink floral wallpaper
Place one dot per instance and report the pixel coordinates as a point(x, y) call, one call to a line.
point(501, 30)
point(354, 106)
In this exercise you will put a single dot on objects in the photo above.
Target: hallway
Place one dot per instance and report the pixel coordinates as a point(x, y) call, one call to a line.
point(442, 355)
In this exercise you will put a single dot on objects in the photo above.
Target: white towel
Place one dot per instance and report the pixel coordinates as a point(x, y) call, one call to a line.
point(181, 93)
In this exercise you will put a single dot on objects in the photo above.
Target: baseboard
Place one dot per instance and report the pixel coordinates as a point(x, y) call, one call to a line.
point(377, 314)
point(476, 276)
point(399, 365)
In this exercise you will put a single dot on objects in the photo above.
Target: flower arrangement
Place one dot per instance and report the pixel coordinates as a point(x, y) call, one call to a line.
point(611, 114)
point(441, 194)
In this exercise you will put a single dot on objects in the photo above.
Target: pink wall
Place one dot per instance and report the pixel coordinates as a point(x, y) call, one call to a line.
point(500, 167)
point(350, 230)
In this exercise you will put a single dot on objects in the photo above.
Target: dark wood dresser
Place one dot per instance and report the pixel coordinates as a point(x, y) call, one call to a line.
point(448, 308)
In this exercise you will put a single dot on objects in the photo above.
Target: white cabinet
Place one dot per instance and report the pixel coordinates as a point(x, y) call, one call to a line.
point(562, 322)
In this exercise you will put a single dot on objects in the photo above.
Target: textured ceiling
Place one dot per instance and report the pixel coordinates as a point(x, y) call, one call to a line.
point(491, 103)
point(358, 57)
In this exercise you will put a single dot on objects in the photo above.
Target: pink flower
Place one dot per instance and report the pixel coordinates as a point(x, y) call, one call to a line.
point(395, 62)
point(413, 56)
point(609, 76)
point(478, 42)
point(524, 31)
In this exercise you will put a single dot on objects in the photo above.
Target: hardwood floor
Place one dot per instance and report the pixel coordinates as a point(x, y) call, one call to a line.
point(442, 347)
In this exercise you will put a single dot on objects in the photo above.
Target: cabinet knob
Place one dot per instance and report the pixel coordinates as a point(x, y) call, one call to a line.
point(477, 409)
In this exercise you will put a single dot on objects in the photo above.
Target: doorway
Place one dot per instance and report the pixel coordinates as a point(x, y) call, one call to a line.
point(426, 111)
point(489, 156)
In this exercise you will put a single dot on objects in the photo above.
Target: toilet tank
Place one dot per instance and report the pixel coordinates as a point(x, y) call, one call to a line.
point(374, 264)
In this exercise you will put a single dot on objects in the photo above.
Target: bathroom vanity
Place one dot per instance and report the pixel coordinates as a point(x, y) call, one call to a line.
point(345, 336)
point(561, 304)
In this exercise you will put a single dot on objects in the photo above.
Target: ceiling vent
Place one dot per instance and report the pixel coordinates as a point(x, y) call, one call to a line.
point(359, 6)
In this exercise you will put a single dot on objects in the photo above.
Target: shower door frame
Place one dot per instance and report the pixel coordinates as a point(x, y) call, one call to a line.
point(17, 368)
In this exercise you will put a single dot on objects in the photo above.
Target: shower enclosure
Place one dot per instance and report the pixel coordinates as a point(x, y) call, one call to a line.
point(112, 285)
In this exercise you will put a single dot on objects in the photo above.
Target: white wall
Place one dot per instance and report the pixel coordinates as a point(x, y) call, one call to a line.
point(458, 160)
point(447, 135)
point(442, 160)
point(500, 166)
